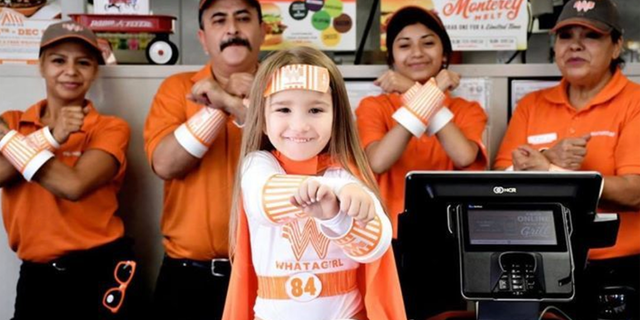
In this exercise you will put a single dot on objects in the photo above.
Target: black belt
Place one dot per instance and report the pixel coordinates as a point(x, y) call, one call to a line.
point(118, 249)
point(219, 267)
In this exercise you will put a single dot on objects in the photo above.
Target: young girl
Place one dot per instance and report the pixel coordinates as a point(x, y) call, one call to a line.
point(416, 125)
point(62, 164)
point(313, 240)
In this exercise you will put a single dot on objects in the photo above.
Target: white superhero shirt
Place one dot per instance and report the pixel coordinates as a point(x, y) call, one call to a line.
point(305, 267)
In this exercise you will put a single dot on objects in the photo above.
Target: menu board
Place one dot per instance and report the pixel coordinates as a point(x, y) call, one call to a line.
point(324, 24)
point(472, 25)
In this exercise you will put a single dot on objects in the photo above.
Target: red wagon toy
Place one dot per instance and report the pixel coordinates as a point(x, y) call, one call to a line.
point(159, 51)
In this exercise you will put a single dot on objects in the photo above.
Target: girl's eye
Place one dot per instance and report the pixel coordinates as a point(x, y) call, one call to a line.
point(315, 110)
point(58, 60)
point(428, 44)
point(283, 110)
point(564, 35)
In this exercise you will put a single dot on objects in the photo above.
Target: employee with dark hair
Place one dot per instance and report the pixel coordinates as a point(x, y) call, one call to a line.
point(192, 140)
point(416, 124)
point(590, 121)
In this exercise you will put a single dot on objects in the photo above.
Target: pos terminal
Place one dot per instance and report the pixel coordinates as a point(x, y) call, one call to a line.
point(503, 240)
point(515, 251)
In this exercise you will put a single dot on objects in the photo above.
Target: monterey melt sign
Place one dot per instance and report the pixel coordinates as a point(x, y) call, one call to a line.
point(485, 24)
point(475, 25)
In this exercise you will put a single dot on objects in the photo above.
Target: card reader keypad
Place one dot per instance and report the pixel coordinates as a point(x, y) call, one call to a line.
point(518, 279)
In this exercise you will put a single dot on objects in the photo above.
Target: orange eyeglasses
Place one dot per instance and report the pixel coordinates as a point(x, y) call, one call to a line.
point(123, 274)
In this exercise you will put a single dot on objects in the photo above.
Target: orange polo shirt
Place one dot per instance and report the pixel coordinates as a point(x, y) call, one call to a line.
point(374, 116)
point(42, 227)
point(195, 215)
point(613, 119)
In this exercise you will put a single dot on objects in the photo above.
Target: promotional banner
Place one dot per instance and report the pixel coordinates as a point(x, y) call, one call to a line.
point(472, 25)
point(20, 37)
point(324, 24)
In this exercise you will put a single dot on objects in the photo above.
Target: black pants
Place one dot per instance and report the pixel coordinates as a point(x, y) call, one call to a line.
point(73, 286)
point(188, 290)
point(602, 281)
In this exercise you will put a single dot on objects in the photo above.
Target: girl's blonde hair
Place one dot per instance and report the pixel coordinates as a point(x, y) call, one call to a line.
point(344, 145)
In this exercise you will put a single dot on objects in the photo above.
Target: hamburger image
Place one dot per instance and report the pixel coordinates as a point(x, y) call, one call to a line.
point(273, 20)
point(25, 7)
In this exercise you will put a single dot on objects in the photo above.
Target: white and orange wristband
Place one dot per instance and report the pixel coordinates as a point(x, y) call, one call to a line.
point(423, 109)
point(197, 134)
point(43, 139)
point(360, 242)
point(276, 197)
point(26, 156)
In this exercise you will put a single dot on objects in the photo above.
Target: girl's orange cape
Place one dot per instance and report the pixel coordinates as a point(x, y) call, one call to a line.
point(377, 281)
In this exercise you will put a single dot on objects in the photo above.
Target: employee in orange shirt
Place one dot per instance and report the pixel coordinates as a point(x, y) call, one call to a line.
point(590, 121)
point(192, 140)
point(61, 167)
point(416, 125)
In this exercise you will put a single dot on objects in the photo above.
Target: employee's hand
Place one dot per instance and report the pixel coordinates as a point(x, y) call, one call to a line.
point(447, 80)
point(392, 81)
point(239, 84)
point(357, 203)
point(316, 200)
point(526, 158)
point(568, 153)
point(208, 92)
point(70, 120)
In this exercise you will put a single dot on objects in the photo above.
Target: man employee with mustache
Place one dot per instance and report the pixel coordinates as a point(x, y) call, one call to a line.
point(192, 140)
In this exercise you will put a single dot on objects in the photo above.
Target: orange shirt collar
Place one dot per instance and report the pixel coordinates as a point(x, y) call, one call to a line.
point(32, 115)
point(205, 72)
point(312, 166)
point(558, 94)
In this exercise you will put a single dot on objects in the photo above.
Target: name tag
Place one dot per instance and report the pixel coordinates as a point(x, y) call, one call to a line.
point(542, 138)
point(603, 133)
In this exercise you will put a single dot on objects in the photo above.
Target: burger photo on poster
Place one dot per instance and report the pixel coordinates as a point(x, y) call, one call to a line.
point(273, 19)
point(24, 7)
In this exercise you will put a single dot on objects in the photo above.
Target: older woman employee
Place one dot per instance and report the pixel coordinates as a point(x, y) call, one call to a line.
point(590, 121)
point(61, 167)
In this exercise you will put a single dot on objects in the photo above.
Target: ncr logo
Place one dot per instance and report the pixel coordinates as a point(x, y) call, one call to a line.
point(501, 190)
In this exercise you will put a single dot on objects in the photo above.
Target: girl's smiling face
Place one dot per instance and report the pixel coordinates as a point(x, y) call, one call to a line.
point(299, 122)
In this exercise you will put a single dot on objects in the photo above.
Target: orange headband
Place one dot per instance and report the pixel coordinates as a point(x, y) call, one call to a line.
point(298, 76)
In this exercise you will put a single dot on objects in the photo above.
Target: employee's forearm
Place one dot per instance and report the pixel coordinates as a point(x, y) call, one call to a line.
point(622, 191)
point(385, 153)
point(7, 172)
point(462, 151)
point(171, 160)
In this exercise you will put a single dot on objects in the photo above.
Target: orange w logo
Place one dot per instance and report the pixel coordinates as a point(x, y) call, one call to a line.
point(300, 239)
